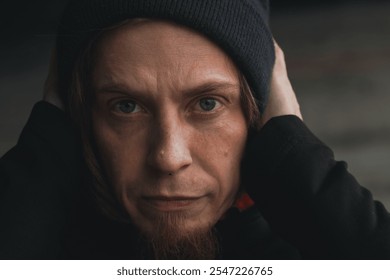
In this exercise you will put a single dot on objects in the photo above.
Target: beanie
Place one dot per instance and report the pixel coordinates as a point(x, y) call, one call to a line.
point(239, 27)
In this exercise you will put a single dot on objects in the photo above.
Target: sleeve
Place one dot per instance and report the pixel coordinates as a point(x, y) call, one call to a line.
point(310, 199)
point(38, 181)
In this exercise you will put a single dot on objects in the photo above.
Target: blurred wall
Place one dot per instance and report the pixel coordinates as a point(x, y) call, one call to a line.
point(338, 56)
point(338, 59)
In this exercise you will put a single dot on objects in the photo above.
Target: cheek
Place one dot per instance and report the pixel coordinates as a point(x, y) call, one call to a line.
point(120, 151)
point(216, 152)
point(219, 151)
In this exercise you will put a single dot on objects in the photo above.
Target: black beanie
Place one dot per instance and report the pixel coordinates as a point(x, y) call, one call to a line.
point(239, 27)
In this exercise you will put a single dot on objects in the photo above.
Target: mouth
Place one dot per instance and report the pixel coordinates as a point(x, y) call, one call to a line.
point(173, 203)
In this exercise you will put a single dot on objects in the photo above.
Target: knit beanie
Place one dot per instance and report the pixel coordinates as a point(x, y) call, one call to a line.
point(239, 27)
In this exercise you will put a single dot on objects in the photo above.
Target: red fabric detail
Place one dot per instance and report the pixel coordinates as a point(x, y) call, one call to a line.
point(244, 202)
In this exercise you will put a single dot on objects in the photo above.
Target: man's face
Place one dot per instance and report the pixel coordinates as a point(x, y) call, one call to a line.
point(168, 123)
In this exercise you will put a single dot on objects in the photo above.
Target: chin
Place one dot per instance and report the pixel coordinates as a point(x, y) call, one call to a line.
point(175, 236)
point(178, 223)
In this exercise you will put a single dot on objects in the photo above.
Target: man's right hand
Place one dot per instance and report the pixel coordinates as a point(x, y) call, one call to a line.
point(282, 100)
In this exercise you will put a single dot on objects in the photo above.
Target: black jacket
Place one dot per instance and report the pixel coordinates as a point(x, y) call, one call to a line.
point(310, 206)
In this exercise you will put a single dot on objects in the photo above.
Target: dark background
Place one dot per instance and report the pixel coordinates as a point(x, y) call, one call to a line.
point(337, 52)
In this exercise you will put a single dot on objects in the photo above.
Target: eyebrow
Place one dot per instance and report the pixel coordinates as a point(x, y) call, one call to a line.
point(207, 87)
point(211, 87)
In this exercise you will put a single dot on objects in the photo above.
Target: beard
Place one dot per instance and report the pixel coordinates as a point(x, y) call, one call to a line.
point(171, 240)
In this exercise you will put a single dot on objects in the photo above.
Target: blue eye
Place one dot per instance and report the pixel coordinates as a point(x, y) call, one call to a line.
point(127, 107)
point(207, 104)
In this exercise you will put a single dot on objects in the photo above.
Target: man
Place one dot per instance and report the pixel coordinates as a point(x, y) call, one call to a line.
point(182, 153)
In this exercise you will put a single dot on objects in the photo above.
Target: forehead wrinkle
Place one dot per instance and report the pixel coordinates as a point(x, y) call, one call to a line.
point(175, 80)
point(179, 81)
point(177, 66)
point(137, 86)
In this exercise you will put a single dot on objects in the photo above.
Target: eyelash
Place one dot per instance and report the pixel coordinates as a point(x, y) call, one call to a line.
point(120, 102)
point(115, 106)
point(214, 109)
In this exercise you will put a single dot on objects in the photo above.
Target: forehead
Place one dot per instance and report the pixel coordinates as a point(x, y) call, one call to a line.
point(160, 49)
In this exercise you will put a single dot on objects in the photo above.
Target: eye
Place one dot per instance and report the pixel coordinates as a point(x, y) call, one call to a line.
point(127, 107)
point(208, 104)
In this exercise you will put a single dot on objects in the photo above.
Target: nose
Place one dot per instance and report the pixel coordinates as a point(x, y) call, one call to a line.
point(169, 152)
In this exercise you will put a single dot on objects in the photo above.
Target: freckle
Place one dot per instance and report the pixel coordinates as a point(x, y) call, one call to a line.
point(226, 154)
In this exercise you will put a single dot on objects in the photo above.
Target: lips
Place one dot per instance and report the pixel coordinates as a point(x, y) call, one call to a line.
point(172, 203)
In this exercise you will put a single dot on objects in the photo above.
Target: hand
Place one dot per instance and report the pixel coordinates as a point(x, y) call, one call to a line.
point(50, 91)
point(282, 100)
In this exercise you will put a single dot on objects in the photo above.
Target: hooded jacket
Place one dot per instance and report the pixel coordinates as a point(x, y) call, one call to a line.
point(306, 204)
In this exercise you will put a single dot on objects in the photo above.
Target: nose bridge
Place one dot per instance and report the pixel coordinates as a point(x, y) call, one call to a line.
point(170, 151)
